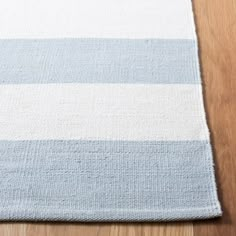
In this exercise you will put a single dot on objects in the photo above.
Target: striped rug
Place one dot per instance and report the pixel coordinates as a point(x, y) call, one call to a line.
point(101, 112)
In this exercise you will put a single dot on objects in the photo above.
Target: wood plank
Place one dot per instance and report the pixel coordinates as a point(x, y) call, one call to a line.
point(216, 24)
point(79, 229)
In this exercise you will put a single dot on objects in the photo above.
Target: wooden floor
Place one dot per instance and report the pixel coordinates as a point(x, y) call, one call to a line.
point(216, 26)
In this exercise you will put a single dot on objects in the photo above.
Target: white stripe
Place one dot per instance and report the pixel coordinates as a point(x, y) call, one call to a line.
point(102, 111)
point(96, 18)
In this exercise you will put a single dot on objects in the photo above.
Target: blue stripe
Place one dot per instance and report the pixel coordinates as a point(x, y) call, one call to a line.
point(106, 180)
point(98, 61)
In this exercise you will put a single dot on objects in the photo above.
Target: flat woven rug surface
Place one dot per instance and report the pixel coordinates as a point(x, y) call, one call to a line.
point(101, 112)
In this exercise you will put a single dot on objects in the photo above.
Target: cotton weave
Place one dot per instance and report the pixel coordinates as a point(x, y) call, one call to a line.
point(101, 112)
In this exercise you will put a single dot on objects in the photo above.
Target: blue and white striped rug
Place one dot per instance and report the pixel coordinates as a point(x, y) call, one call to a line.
point(101, 112)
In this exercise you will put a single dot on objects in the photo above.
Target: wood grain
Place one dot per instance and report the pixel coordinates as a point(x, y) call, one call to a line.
point(60, 229)
point(216, 26)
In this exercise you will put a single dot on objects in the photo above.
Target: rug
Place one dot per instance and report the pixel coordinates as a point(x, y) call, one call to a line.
point(101, 112)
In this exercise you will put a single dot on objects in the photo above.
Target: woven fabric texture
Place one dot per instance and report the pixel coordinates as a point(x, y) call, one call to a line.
point(101, 113)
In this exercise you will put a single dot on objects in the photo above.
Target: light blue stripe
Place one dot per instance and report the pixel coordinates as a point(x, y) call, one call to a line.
point(106, 180)
point(98, 61)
